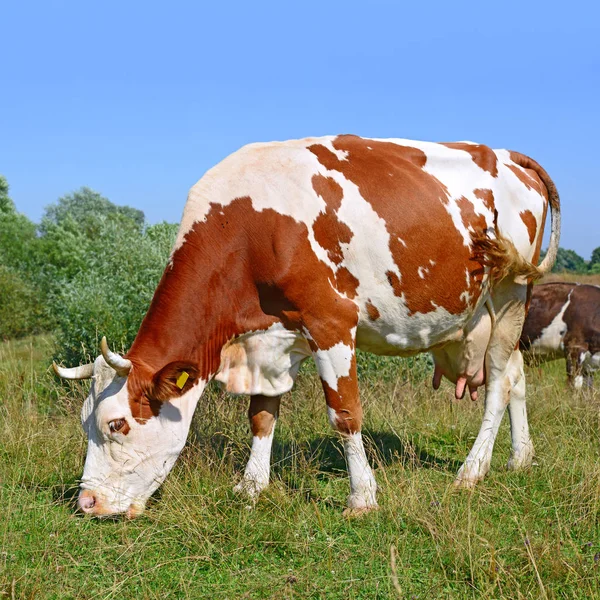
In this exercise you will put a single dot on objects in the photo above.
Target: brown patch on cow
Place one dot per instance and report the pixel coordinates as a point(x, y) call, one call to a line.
point(582, 319)
point(391, 178)
point(483, 156)
point(471, 220)
point(329, 189)
point(330, 232)
point(142, 407)
point(345, 401)
point(262, 414)
point(487, 196)
point(529, 219)
point(238, 270)
point(394, 281)
point(346, 283)
point(529, 178)
point(372, 311)
point(273, 301)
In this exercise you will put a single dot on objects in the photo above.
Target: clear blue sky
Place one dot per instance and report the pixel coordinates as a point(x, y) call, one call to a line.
point(138, 99)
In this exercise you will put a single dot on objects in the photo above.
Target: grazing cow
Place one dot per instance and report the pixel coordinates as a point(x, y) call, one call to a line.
point(564, 321)
point(316, 247)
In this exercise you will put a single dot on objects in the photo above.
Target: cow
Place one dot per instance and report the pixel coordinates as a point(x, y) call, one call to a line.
point(564, 321)
point(314, 248)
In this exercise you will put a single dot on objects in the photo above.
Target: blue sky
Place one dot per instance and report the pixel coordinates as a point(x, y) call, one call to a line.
point(138, 99)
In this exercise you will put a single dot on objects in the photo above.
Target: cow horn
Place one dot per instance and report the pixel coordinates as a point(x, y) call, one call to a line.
point(82, 372)
point(121, 365)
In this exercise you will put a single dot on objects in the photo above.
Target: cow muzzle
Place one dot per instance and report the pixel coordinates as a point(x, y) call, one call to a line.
point(94, 504)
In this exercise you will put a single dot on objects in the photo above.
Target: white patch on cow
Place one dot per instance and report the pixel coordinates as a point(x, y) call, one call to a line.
point(332, 415)
point(328, 143)
point(422, 271)
point(262, 362)
point(402, 242)
point(578, 382)
point(363, 487)
point(257, 472)
point(592, 362)
point(396, 340)
point(334, 363)
point(551, 339)
point(425, 335)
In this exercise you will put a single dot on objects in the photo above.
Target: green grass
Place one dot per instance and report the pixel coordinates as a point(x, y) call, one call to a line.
point(518, 535)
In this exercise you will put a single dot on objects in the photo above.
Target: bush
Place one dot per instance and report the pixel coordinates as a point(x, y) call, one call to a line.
point(21, 309)
point(112, 287)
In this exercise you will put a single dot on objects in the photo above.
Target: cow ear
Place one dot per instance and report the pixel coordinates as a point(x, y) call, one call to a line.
point(172, 381)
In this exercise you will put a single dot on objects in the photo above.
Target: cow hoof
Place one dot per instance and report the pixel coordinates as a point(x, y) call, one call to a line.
point(355, 513)
point(470, 474)
point(461, 483)
point(249, 488)
point(520, 464)
point(521, 460)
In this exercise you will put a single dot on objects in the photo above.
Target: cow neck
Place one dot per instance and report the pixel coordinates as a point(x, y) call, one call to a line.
point(192, 315)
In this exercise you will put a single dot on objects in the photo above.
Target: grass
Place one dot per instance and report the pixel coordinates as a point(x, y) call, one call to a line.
point(518, 535)
point(590, 279)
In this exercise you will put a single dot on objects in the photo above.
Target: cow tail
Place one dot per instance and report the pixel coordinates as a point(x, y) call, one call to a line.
point(554, 201)
point(498, 254)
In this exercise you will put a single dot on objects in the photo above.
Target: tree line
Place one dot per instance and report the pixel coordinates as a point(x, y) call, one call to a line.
point(90, 267)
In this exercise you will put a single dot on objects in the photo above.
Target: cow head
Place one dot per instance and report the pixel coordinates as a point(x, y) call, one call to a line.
point(130, 452)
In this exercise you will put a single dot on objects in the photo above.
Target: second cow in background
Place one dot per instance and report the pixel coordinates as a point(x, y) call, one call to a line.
point(564, 320)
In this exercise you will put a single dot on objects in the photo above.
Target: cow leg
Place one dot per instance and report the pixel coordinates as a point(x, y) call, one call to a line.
point(340, 383)
point(574, 367)
point(478, 461)
point(504, 371)
point(262, 414)
point(522, 446)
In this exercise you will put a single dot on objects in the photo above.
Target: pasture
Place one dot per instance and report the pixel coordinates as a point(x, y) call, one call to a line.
point(533, 534)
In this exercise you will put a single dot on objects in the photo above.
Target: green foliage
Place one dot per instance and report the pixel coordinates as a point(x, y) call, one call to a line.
point(6, 204)
point(569, 260)
point(21, 300)
point(21, 309)
point(595, 260)
point(85, 208)
point(106, 282)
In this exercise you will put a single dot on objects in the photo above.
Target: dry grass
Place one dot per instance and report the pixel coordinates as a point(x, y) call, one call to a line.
point(572, 277)
point(518, 535)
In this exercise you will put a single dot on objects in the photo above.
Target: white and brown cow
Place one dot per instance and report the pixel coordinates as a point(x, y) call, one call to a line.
point(313, 248)
point(564, 322)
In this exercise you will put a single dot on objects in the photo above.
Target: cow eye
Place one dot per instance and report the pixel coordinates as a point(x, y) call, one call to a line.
point(117, 425)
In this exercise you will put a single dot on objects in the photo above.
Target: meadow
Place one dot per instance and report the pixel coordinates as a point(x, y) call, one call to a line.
point(531, 534)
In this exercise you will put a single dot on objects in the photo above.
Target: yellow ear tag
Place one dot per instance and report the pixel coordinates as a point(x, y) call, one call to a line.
point(182, 379)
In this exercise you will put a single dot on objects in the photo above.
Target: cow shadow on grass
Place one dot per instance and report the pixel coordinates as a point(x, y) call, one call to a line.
point(326, 454)
point(323, 456)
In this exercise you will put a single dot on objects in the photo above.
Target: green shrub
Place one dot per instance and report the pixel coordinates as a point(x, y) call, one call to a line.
point(21, 309)
point(110, 291)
